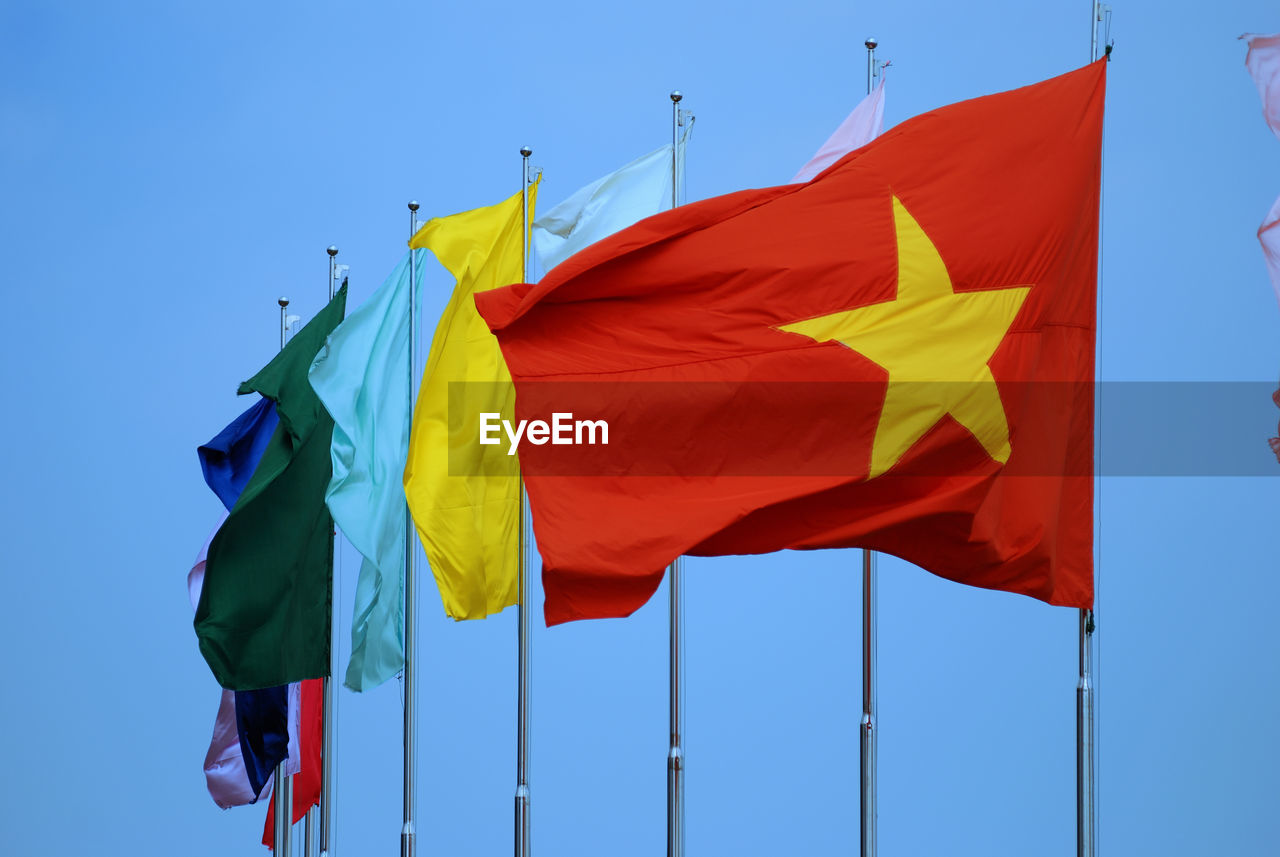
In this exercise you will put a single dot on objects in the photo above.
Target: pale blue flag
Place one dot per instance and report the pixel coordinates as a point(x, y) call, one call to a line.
point(640, 189)
point(362, 377)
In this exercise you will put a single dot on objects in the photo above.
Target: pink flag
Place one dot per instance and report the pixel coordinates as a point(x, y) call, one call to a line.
point(861, 126)
point(1269, 235)
point(1275, 441)
point(1263, 62)
point(224, 770)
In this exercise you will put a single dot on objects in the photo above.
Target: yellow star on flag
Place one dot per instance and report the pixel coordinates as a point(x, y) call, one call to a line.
point(934, 343)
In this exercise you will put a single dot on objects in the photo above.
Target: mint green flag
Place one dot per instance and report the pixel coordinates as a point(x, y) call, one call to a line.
point(264, 610)
point(362, 376)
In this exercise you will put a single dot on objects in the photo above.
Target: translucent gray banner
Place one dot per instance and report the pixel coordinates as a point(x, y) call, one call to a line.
point(827, 428)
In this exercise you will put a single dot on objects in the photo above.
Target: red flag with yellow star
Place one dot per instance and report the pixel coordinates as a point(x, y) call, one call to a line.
point(897, 355)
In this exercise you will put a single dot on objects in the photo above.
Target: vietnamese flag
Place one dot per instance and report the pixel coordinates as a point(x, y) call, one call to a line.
point(897, 355)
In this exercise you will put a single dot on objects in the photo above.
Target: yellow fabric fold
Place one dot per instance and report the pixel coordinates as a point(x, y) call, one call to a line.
point(465, 497)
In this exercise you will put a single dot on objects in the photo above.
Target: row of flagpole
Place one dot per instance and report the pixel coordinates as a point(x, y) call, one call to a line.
point(675, 755)
point(1086, 829)
point(318, 821)
point(675, 752)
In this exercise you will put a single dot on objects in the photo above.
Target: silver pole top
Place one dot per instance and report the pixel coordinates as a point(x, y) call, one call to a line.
point(413, 205)
point(283, 301)
point(332, 249)
point(526, 151)
point(871, 43)
point(676, 95)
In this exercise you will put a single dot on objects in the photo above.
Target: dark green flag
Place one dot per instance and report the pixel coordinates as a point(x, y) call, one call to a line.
point(264, 612)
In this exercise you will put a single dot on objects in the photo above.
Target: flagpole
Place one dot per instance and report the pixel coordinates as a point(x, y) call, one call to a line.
point(328, 726)
point(408, 833)
point(1093, 30)
point(1085, 839)
point(1086, 832)
point(283, 802)
point(309, 834)
point(675, 750)
point(867, 730)
point(523, 634)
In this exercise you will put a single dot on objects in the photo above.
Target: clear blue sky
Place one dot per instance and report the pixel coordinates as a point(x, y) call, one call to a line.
point(169, 169)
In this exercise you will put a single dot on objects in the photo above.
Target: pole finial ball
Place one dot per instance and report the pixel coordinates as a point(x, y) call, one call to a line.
point(676, 95)
point(526, 151)
point(413, 205)
point(871, 43)
point(332, 250)
point(282, 300)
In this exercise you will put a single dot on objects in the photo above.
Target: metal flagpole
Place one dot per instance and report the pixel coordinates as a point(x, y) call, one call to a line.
point(309, 838)
point(328, 727)
point(283, 803)
point(1093, 30)
point(1086, 833)
point(408, 833)
point(675, 750)
point(523, 636)
point(867, 727)
point(316, 813)
point(1085, 839)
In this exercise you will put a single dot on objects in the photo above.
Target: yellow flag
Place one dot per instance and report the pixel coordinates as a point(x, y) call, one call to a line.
point(465, 497)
